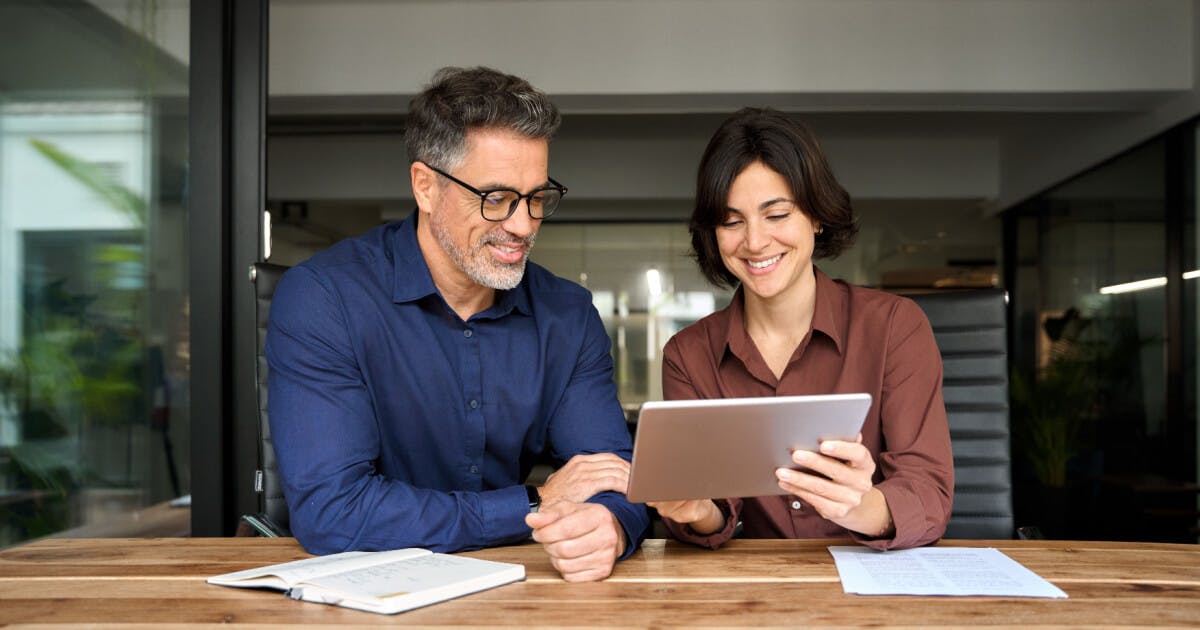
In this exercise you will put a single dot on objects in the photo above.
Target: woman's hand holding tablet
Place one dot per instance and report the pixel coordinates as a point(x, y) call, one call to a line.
point(837, 482)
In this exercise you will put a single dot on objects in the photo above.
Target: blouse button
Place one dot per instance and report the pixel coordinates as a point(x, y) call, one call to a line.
point(796, 505)
point(467, 333)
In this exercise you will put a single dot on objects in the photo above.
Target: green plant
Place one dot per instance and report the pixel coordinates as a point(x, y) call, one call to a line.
point(1055, 408)
point(1051, 410)
point(115, 196)
point(79, 365)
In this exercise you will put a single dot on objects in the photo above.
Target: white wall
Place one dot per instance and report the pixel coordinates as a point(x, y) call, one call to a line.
point(604, 47)
point(1034, 163)
point(626, 165)
point(164, 22)
point(1058, 85)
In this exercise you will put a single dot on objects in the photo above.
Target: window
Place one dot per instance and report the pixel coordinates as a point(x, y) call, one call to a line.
point(94, 355)
point(1103, 414)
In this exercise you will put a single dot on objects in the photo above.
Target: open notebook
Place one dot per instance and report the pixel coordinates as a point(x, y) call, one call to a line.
point(385, 582)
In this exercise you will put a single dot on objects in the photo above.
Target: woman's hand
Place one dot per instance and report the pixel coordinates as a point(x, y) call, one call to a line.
point(702, 515)
point(836, 482)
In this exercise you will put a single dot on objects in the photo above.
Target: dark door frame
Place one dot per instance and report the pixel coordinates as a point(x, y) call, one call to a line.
point(228, 86)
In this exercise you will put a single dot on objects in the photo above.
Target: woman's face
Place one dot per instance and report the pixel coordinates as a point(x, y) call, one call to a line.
point(765, 240)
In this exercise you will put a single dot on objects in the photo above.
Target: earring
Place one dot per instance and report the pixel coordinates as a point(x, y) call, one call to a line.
point(820, 228)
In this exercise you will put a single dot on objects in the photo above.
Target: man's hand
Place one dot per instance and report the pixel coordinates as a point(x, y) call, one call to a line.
point(585, 476)
point(583, 540)
point(702, 515)
point(841, 490)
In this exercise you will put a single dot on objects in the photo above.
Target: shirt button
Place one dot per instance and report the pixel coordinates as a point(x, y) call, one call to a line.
point(474, 470)
point(796, 505)
point(474, 404)
point(467, 333)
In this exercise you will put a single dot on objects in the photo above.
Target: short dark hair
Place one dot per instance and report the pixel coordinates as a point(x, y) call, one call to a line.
point(460, 99)
point(787, 147)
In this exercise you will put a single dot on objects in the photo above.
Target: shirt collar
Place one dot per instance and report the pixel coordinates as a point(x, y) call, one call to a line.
point(414, 282)
point(514, 300)
point(829, 318)
point(831, 310)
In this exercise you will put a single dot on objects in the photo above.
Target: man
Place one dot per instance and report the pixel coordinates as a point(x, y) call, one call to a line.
point(415, 370)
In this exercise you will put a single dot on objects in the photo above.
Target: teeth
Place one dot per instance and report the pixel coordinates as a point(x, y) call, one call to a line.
point(764, 264)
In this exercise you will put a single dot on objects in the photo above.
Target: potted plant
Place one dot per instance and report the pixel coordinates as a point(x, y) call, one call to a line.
point(1056, 408)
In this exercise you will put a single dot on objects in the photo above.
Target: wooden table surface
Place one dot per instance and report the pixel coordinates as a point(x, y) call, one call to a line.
point(159, 583)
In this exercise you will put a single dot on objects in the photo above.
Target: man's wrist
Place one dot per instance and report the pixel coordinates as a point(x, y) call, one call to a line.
point(534, 495)
point(622, 541)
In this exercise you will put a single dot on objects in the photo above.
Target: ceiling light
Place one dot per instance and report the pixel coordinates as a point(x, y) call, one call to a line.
point(654, 282)
point(1148, 283)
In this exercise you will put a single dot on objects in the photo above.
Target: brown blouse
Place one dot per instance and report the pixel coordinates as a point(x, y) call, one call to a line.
point(861, 340)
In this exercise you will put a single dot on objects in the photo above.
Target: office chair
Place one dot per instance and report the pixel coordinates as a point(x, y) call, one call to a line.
point(272, 520)
point(970, 330)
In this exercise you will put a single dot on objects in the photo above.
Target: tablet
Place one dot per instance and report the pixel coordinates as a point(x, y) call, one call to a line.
point(711, 449)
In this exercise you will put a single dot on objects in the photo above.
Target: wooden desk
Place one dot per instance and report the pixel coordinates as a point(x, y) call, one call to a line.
point(750, 583)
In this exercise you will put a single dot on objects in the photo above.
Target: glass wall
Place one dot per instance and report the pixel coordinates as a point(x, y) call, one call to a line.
point(93, 269)
point(1098, 442)
point(1191, 301)
point(645, 285)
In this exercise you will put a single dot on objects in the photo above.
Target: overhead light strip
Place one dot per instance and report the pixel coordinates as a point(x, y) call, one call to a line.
point(1141, 285)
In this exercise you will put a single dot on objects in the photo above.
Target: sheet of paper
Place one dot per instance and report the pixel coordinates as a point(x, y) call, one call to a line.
point(937, 571)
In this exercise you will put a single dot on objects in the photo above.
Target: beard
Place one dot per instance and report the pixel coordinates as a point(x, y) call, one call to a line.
point(476, 262)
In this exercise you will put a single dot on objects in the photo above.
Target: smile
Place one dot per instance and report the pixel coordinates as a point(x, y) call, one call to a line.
point(508, 253)
point(763, 264)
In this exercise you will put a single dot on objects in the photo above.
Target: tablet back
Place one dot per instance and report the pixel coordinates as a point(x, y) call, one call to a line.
point(709, 449)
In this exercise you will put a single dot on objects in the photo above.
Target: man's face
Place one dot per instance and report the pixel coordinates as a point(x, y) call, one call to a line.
point(491, 254)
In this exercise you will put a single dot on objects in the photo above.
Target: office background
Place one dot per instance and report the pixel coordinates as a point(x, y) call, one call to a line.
point(150, 150)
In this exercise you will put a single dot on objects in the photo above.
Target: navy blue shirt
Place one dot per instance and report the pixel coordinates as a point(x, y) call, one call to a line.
point(397, 424)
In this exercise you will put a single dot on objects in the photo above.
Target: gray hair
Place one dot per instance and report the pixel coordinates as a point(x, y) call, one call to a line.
point(459, 99)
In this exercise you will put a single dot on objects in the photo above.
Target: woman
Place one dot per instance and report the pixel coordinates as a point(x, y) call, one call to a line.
point(767, 204)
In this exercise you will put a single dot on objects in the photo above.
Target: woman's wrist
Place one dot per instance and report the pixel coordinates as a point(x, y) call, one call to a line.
point(711, 522)
point(872, 518)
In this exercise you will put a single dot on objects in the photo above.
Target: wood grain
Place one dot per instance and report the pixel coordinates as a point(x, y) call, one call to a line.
point(750, 583)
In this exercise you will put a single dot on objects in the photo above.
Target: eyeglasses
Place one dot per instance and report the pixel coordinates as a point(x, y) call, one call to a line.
point(498, 204)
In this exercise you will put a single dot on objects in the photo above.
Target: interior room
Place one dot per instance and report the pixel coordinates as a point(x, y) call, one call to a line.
point(152, 151)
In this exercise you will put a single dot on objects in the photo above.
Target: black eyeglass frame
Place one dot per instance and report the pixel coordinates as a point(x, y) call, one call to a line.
point(512, 208)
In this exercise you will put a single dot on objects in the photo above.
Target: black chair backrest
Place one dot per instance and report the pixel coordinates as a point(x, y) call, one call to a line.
point(265, 277)
point(971, 334)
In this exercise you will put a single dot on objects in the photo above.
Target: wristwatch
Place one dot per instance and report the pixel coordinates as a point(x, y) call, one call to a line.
point(535, 498)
